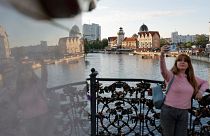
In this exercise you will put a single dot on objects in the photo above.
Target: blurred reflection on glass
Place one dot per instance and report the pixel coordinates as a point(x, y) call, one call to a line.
point(42, 76)
point(50, 9)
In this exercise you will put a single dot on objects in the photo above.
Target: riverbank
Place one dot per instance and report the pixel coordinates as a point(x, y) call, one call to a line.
point(151, 55)
point(200, 58)
point(73, 59)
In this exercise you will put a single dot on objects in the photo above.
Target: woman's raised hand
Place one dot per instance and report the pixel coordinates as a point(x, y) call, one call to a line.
point(165, 48)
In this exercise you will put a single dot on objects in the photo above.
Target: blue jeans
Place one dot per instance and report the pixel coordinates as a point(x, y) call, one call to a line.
point(174, 121)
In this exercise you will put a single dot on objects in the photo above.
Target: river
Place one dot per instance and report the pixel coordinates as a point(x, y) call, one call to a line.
point(115, 66)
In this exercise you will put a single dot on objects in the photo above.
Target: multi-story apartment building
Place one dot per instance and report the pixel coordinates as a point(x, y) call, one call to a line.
point(92, 32)
point(176, 38)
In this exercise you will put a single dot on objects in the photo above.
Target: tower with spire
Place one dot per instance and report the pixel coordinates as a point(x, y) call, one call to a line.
point(120, 37)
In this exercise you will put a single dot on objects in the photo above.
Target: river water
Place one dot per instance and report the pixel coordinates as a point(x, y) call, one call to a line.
point(115, 66)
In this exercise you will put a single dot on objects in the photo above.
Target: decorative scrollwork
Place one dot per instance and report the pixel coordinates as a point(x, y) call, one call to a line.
point(118, 115)
point(118, 107)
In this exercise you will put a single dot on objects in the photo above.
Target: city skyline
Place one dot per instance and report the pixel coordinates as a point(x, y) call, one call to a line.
point(186, 17)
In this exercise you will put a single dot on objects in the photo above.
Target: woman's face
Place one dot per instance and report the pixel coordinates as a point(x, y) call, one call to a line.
point(182, 64)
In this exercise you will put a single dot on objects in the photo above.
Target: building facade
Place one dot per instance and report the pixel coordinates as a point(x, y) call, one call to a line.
point(91, 32)
point(112, 42)
point(71, 45)
point(148, 40)
point(145, 40)
point(31, 52)
point(129, 43)
point(5, 51)
point(176, 38)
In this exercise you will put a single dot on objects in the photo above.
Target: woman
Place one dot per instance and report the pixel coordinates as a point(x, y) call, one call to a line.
point(9, 121)
point(174, 112)
point(32, 100)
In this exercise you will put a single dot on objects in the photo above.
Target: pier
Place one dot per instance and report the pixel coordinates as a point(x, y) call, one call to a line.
point(155, 54)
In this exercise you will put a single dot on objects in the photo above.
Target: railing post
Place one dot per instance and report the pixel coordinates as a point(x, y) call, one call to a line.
point(93, 100)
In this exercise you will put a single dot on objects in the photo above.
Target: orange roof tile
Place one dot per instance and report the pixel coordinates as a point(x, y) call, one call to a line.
point(112, 38)
point(129, 39)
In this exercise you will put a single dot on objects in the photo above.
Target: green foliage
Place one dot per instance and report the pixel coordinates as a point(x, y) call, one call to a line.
point(188, 44)
point(163, 42)
point(135, 36)
point(95, 45)
point(201, 40)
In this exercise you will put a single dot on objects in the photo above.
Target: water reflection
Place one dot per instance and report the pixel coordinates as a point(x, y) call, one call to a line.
point(61, 74)
point(125, 66)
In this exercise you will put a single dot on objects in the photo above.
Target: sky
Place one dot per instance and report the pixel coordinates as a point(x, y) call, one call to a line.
point(166, 16)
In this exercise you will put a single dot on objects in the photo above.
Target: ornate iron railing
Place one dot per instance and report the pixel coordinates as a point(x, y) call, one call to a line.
point(115, 107)
point(124, 107)
point(70, 107)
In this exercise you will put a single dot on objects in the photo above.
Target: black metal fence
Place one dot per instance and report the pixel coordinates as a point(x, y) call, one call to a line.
point(71, 109)
point(116, 107)
point(124, 107)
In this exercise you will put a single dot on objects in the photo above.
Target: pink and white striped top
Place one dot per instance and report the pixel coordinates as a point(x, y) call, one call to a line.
point(181, 91)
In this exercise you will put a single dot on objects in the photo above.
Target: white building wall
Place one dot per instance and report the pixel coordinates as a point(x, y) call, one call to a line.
point(175, 38)
point(92, 32)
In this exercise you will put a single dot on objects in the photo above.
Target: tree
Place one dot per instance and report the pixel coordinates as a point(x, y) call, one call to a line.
point(201, 40)
point(163, 42)
point(104, 43)
point(86, 46)
point(135, 36)
point(95, 45)
point(188, 44)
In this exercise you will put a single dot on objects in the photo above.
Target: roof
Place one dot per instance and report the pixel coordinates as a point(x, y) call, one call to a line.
point(149, 32)
point(112, 38)
point(143, 28)
point(131, 39)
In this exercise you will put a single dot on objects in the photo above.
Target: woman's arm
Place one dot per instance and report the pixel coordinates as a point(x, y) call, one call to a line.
point(202, 85)
point(163, 69)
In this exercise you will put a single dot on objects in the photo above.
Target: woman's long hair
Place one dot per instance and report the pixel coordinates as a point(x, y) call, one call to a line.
point(189, 71)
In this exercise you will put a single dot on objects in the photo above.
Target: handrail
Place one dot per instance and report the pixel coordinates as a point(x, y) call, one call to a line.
point(70, 84)
point(128, 79)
